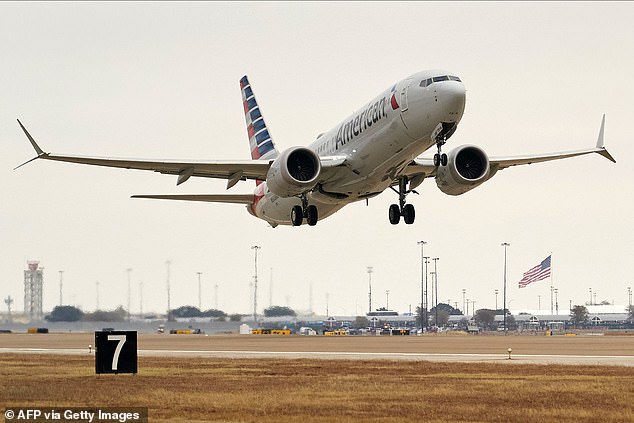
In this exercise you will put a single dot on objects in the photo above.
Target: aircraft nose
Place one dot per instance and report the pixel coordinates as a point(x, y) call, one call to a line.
point(452, 97)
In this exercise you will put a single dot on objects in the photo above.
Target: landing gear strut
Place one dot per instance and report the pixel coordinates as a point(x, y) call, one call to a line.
point(298, 213)
point(402, 209)
point(440, 158)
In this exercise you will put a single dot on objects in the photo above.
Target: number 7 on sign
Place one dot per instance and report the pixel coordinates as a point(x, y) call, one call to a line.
point(117, 351)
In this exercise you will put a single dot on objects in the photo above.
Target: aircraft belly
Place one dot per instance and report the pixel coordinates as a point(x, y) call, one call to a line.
point(277, 210)
point(369, 172)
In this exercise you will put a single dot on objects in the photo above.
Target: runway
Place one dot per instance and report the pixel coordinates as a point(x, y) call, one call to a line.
point(579, 350)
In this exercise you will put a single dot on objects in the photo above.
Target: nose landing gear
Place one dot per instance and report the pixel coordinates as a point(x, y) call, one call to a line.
point(440, 135)
point(440, 158)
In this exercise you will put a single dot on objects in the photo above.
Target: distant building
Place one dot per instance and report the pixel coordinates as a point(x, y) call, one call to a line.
point(33, 282)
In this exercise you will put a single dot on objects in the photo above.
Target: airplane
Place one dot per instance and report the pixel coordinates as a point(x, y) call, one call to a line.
point(375, 148)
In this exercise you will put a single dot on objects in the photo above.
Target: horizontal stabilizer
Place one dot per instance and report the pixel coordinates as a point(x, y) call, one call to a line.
point(210, 198)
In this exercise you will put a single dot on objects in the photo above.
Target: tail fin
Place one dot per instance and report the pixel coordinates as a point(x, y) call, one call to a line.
point(260, 141)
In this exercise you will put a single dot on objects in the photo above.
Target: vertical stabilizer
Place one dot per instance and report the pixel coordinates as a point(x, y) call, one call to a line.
point(260, 141)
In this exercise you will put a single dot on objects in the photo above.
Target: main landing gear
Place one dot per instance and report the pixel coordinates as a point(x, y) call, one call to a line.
point(298, 213)
point(402, 209)
point(407, 210)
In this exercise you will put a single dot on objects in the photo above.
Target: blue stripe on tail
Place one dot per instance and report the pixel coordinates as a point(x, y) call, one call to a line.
point(260, 141)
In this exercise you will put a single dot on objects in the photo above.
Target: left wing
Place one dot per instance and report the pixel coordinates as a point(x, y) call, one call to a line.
point(233, 171)
point(499, 163)
point(422, 168)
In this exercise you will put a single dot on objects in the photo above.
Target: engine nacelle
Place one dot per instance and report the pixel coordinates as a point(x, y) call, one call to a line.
point(295, 171)
point(467, 167)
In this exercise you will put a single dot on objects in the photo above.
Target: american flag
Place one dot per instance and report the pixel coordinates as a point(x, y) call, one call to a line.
point(537, 273)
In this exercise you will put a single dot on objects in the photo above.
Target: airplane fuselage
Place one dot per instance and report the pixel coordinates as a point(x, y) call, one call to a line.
point(378, 141)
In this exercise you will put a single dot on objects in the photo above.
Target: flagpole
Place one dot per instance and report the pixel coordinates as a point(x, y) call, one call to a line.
point(553, 284)
point(505, 244)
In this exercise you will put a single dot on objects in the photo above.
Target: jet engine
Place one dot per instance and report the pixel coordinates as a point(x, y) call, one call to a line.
point(295, 171)
point(467, 167)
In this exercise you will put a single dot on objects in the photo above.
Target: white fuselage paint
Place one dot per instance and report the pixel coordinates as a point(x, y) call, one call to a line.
point(378, 142)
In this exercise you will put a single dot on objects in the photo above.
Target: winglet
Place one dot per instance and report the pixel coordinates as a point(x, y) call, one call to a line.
point(602, 151)
point(38, 150)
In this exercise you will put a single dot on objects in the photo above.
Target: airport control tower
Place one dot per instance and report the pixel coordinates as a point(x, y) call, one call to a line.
point(33, 281)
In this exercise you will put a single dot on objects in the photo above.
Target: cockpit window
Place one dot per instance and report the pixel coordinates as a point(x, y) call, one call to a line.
point(427, 82)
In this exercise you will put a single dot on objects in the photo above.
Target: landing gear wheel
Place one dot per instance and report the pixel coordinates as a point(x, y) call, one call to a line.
point(312, 216)
point(297, 215)
point(395, 214)
point(440, 158)
point(409, 214)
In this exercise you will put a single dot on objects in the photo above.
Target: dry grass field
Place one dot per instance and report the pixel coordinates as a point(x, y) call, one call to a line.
point(287, 390)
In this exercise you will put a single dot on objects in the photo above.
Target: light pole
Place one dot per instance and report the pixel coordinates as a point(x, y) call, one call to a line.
point(426, 292)
point(97, 296)
point(169, 308)
point(61, 273)
point(199, 292)
point(552, 290)
point(8, 301)
point(141, 300)
point(433, 301)
point(505, 245)
point(369, 268)
point(255, 248)
point(464, 292)
point(422, 275)
point(435, 259)
point(129, 294)
point(496, 300)
point(556, 303)
point(539, 302)
point(387, 299)
point(629, 294)
point(590, 296)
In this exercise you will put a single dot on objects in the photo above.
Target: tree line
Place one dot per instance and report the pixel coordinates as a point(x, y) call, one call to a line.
point(73, 314)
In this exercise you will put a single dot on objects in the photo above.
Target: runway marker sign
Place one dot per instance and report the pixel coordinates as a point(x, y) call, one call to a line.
point(115, 352)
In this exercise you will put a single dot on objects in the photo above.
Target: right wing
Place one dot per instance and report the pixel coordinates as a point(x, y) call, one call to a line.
point(233, 171)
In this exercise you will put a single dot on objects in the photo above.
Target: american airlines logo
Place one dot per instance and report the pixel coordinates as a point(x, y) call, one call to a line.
point(364, 120)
